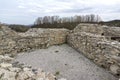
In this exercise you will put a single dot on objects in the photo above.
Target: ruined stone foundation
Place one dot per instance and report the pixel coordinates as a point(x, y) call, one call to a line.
point(95, 42)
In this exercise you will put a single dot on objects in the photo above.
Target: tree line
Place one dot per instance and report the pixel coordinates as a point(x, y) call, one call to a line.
point(73, 19)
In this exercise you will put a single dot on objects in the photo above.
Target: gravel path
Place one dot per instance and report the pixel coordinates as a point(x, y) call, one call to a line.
point(63, 61)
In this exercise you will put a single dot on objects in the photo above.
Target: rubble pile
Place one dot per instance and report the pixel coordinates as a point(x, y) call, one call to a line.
point(17, 71)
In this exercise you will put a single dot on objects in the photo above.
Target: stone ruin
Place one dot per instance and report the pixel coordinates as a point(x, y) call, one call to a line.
point(13, 43)
point(96, 43)
point(101, 44)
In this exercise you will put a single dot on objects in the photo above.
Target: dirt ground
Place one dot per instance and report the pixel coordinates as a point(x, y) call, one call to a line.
point(65, 62)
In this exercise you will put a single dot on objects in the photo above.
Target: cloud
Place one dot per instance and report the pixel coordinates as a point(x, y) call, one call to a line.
point(74, 10)
point(22, 9)
point(56, 6)
point(33, 11)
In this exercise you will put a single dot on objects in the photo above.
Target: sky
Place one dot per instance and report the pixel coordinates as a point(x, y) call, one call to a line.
point(26, 11)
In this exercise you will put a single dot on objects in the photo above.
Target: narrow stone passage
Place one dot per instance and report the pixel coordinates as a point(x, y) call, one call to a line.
point(63, 61)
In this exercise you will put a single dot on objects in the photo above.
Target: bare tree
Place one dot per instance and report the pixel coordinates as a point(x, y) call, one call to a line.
point(38, 21)
point(76, 18)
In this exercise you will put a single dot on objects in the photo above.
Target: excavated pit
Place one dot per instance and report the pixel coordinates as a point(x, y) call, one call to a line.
point(100, 45)
point(64, 61)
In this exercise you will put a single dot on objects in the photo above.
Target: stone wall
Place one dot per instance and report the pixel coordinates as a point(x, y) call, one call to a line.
point(101, 50)
point(110, 32)
point(90, 28)
point(12, 42)
point(6, 39)
point(48, 37)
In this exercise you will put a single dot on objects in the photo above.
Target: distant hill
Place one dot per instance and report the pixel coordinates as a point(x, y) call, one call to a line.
point(67, 25)
point(111, 23)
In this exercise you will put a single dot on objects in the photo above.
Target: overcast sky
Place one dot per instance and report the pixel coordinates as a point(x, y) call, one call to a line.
point(26, 11)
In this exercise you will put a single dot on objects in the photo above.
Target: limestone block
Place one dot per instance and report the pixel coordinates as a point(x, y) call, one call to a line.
point(5, 65)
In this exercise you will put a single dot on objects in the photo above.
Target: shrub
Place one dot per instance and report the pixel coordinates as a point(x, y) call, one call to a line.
point(19, 28)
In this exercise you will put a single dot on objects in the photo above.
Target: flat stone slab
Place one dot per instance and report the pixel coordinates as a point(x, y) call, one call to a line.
point(65, 62)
